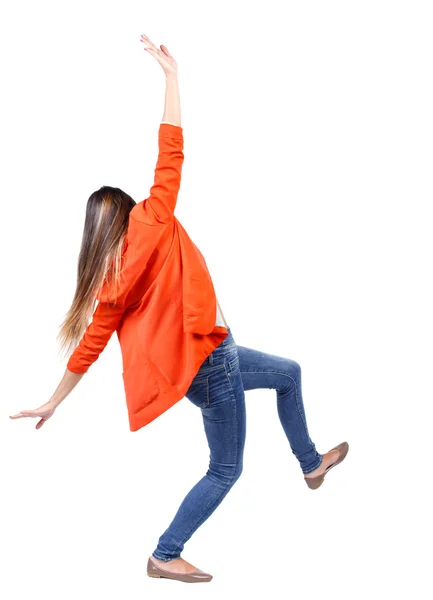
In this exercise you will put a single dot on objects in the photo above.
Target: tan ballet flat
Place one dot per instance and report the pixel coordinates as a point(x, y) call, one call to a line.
point(315, 482)
point(154, 570)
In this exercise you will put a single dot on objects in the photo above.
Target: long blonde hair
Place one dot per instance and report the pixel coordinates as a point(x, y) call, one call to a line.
point(99, 260)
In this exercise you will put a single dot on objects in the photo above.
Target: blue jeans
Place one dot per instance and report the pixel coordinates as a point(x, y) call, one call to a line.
point(218, 390)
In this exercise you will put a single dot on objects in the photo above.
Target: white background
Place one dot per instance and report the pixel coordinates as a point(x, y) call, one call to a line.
point(307, 185)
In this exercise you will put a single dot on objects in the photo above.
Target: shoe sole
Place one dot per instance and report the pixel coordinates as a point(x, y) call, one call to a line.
point(178, 579)
point(154, 570)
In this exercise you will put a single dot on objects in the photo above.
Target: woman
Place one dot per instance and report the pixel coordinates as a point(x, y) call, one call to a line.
point(154, 289)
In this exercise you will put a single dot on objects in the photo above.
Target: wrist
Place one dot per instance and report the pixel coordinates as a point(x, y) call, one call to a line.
point(170, 76)
point(53, 403)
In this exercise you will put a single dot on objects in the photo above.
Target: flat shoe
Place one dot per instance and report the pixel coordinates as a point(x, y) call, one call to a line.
point(315, 482)
point(154, 570)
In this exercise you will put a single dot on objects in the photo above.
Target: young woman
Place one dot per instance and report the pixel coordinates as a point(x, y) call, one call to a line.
point(154, 289)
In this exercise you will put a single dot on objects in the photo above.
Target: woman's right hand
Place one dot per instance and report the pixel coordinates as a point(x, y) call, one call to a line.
point(162, 55)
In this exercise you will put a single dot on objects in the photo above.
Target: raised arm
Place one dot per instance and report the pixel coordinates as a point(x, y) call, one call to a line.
point(159, 206)
point(169, 66)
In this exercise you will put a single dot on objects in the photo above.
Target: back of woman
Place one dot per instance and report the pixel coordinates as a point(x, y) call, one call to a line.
point(154, 289)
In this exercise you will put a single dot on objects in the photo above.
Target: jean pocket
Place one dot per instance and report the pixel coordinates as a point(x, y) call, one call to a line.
point(198, 392)
point(233, 365)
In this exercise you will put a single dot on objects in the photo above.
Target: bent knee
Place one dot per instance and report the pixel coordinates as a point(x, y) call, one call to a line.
point(290, 376)
point(293, 370)
point(294, 367)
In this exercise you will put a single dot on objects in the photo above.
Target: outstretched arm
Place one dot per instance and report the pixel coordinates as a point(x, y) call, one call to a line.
point(105, 321)
point(45, 411)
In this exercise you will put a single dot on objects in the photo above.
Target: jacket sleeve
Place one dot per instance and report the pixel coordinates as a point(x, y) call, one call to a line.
point(105, 321)
point(160, 204)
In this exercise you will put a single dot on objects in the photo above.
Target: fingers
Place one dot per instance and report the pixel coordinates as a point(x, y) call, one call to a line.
point(148, 44)
point(25, 413)
point(30, 413)
point(165, 50)
point(150, 47)
point(151, 51)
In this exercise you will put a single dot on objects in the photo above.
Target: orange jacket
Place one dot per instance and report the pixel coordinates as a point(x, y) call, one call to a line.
point(165, 311)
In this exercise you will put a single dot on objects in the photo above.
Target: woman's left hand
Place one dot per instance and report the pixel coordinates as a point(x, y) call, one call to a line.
point(45, 412)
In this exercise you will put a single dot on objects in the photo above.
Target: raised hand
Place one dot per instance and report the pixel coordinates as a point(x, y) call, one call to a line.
point(161, 54)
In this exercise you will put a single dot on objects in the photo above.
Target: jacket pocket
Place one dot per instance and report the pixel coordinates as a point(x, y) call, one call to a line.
point(141, 385)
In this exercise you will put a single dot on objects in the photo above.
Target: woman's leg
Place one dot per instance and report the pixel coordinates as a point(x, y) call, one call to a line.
point(263, 370)
point(217, 390)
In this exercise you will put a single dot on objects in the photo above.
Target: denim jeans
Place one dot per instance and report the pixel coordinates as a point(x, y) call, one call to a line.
point(218, 390)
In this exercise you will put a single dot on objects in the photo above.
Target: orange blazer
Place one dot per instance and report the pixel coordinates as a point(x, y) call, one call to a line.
point(165, 311)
